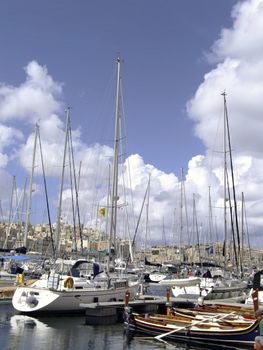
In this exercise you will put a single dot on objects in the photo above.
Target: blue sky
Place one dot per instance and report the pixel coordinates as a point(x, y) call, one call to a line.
point(178, 57)
point(162, 44)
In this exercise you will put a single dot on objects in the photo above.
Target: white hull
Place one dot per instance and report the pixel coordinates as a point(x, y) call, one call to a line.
point(156, 277)
point(181, 282)
point(33, 300)
point(210, 289)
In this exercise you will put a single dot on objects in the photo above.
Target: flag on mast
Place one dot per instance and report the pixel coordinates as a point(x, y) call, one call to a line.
point(102, 211)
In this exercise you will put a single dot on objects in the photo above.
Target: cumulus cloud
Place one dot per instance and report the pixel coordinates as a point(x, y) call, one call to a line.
point(239, 71)
point(237, 68)
point(9, 137)
point(32, 100)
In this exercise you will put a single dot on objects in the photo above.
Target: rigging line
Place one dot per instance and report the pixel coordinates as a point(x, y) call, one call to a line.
point(72, 195)
point(24, 200)
point(195, 223)
point(11, 201)
point(12, 220)
point(97, 180)
point(233, 182)
point(147, 215)
point(16, 202)
point(76, 188)
point(102, 123)
point(80, 165)
point(123, 127)
point(186, 207)
point(139, 218)
point(46, 193)
point(246, 224)
point(58, 222)
point(232, 223)
point(213, 148)
point(1, 212)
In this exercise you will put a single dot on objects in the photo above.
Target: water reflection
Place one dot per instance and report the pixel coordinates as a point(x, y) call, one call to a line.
point(64, 333)
point(20, 332)
point(182, 345)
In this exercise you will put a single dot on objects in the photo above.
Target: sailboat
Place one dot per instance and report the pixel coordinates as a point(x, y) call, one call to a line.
point(226, 287)
point(59, 292)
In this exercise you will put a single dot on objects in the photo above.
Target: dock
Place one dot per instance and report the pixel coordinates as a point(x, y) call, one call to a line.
point(114, 311)
point(7, 291)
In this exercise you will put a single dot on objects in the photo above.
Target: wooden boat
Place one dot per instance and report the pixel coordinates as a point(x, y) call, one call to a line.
point(244, 311)
point(215, 328)
point(227, 317)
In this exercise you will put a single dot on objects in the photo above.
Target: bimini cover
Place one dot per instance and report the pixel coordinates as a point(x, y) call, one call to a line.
point(15, 257)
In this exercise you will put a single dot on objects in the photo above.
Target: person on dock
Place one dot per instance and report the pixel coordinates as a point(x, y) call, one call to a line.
point(258, 345)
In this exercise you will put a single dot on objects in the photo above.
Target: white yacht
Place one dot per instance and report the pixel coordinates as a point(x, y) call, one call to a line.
point(64, 293)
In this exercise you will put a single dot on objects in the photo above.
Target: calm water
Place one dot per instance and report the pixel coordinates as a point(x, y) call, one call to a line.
point(19, 332)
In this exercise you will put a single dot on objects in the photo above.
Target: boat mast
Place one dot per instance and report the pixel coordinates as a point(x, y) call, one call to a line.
point(237, 236)
point(10, 215)
point(225, 253)
point(147, 216)
point(57, 236)
point(46, 195)
point(29, 203)
point(181, 216)
point(114, 191)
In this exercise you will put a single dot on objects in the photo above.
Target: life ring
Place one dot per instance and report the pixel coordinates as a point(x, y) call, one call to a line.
point(69, 282)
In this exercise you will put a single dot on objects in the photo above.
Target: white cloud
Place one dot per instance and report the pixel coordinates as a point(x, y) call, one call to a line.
point(244, 39)
point(239, 71)
point(9, 136)
point(33, 100)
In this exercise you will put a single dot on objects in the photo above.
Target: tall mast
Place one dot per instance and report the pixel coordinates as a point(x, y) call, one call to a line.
point(57, 239)
point(225, 183)
point(10, 215)
point(181, 216)
point(195, 227)
point(114, 191)
point(147, 216)
point(29, 203)
point(234, 218)
point(242, 227)
point(1, 212)
point(237, 236)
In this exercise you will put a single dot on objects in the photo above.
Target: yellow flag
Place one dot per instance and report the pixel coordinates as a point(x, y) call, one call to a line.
point(102, 211)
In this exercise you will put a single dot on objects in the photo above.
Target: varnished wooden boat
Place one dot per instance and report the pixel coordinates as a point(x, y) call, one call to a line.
point(211, 328)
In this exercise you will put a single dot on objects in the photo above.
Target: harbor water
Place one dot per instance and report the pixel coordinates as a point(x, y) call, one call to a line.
point(21, 332)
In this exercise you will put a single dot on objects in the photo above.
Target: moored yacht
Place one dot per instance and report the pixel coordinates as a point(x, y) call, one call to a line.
point(56, 292)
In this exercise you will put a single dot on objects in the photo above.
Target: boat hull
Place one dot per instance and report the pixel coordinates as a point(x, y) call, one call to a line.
point(244, 336)
point(210, 290)
point(37, 300)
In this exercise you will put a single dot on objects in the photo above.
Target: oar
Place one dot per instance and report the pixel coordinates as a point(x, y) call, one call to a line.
point(159, 337)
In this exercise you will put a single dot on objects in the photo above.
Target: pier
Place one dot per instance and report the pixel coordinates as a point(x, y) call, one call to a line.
point(7, 291)
point(114, 311)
